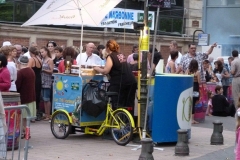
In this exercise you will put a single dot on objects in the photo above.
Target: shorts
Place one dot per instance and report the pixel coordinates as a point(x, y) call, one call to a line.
point(46, 94)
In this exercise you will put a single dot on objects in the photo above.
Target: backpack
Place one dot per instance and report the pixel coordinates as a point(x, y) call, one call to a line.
point(94, 99)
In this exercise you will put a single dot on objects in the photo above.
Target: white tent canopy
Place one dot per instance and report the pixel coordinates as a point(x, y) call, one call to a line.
point(72, 12)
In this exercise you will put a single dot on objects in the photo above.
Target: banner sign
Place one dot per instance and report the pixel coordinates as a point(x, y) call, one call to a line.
point(124, 18)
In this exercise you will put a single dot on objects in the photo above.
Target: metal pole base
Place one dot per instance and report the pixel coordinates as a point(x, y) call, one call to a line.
point(147, 149)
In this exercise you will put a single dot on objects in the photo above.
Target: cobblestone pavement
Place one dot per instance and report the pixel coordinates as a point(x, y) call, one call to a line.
point(89, 147)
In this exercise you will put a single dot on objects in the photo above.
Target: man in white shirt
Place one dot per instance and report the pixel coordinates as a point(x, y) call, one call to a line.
point(88, 58)
point(173, 47)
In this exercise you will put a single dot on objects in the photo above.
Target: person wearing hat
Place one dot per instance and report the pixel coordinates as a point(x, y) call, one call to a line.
point(6, 43)
point(26, 87)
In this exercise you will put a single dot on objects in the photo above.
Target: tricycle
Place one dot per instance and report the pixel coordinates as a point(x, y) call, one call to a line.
point(69, 117)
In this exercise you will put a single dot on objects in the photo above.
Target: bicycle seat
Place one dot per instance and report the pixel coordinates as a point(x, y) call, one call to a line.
point(109, 94)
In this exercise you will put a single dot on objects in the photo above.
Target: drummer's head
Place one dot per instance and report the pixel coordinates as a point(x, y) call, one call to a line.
point(89, 48)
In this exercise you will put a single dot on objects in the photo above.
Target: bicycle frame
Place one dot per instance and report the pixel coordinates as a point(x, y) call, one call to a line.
point(108, 119)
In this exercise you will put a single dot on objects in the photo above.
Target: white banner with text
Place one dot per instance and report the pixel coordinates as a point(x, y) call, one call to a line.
point(124, 18)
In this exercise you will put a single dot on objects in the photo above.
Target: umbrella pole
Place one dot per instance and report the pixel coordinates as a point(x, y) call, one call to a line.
point(81, 48)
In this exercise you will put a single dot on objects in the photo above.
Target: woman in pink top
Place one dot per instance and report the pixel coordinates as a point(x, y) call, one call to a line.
point(5, 80)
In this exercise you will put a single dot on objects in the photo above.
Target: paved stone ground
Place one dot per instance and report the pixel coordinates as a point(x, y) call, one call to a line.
point(227, 153)
point(224, 154)
point(88, 147)
point(228, 122)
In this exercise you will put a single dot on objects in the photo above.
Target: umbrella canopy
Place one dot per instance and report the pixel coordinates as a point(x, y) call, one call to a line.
point(72, 12)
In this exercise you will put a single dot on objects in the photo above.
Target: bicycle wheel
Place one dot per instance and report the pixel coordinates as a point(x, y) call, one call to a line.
point(60, 125)
point(121, 135)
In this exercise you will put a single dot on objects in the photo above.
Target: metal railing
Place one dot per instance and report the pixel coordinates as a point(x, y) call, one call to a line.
point(14, 133)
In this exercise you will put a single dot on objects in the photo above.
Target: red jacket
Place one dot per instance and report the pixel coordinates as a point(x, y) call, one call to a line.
point(26, 85)
point(5, 80)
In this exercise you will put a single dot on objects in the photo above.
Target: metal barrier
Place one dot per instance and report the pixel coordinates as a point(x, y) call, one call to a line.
point(12, 140)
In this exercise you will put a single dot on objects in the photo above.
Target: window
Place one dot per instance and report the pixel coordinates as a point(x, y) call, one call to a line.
point(170, 25)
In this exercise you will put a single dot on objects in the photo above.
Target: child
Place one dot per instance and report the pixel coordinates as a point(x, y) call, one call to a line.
point(209, 108)
point(59, 57)
point(237, 147)
point(221, 105)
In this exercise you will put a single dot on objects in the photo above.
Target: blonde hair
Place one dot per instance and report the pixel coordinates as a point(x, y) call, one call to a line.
point(7, 49)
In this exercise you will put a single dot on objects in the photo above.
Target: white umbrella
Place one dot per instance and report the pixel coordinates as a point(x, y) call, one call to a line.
point(72, 12)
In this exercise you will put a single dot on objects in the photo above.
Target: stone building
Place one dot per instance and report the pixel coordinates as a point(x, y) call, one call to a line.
point(188, 13)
